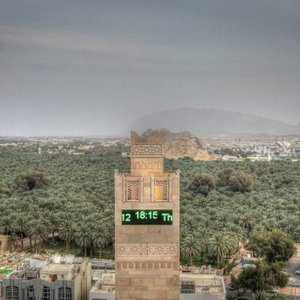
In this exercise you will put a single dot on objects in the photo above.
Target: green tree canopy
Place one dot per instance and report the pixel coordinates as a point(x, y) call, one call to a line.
point(274, 245)
point(224, 176)
point(31, 180)
point(235, 180)
point(202, 184)
point(241, 182)
point(260, 277)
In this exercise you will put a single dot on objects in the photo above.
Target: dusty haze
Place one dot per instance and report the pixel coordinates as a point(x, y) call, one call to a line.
point(92, 67)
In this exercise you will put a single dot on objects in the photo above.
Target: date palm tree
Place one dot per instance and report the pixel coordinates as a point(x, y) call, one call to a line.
point(191, 247)
point(100, 238)
point(66, 229)
point(220, 245)
point(39, 232)
point(83, 236)
point(20, 225)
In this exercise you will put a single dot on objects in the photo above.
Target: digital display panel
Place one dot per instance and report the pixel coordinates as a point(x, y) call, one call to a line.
point(147, 217)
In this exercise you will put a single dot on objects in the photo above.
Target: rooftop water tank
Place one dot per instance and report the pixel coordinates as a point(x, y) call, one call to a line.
point(56, 259)
point(69, 259)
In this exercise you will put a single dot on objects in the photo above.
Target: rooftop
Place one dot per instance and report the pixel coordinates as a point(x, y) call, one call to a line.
point(9, 261)
point(105, 284)
point(62, 269)
point(48, 268)
point(205, 284)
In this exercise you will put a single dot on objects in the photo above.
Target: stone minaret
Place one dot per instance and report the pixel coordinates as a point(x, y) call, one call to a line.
point(147, 225)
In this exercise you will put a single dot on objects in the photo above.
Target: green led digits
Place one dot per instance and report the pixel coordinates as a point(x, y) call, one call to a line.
point(126, 217)
point(167, 217)
point(144, 215)
point(140, 215)
point(153, 214)
point(147, 217)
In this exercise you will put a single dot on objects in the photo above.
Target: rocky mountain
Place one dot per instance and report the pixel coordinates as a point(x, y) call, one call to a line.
point(209, 121)
point(179, 145)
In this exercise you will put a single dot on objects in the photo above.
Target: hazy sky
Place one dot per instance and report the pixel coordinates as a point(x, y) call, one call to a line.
point(90, 66)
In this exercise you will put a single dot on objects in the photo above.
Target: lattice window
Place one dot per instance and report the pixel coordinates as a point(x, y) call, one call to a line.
point(65, 294)
point(8, 292)
point(46, 293)
point(30, 293)
point(133, 190)
point(12, 293)
point(68, 293)
point(187, 287)
point(61, 293)
point(161, 190)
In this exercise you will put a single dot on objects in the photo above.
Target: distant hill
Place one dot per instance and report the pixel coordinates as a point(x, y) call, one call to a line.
point(180, 144)
point(210, 121)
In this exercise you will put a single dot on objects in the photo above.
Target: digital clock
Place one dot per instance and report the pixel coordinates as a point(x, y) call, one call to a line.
point(147, 217)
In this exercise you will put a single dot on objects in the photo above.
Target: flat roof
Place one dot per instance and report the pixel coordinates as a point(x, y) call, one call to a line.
point(204, 283)
point(57, 269)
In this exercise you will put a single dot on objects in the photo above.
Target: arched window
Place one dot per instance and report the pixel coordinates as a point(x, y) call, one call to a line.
point(30, 293)
point(12, 293)
point(64, 294)
point(61, 295)
point(68, 293)
point(46, 293)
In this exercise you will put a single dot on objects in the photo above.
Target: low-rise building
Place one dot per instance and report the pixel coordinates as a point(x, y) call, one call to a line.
point(104, 288)
point(9, 261)
point(202, 286)
point(61, 279)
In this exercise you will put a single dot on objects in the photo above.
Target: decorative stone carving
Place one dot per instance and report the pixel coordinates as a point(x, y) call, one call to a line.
point(155, 265)
point(141, 165)
point(133, 190)
point(147, 150)
point(146, 249)
point(160, 190)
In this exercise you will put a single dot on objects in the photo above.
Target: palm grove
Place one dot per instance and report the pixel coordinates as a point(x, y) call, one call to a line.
point(222, 203)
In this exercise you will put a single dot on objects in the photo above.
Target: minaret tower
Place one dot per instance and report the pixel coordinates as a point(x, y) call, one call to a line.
point(147, 225)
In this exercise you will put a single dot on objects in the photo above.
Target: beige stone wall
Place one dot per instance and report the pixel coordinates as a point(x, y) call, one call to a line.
point(147, 256)
point(147, 286)
point(4, 243)
point(146, 166)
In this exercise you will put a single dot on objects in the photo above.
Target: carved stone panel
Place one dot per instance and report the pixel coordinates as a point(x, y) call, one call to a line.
point(147, 249)
point(160, 190)
point(133, 190)
point(147, 165)
point(153, 265)
point(146, 150)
